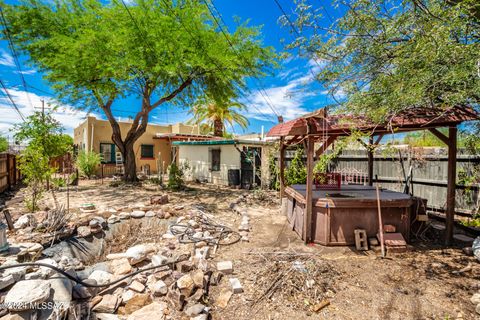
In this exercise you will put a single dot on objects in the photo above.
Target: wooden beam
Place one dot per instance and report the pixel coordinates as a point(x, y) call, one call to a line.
point(281, 165)
point(307, 219)
point(324, 145)
point(451, 184)
point(370, 160)
point(379, 138)
point(441, 136)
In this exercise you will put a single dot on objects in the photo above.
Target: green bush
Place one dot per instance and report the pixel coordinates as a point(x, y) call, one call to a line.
point(36, 172)
point(87, 163)
point(175, 177)
point(296, 173)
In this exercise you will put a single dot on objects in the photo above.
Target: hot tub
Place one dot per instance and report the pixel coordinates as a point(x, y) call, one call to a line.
point(337, 213)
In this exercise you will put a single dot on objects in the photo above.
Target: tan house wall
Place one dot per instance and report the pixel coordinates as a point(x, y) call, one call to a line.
point(101, 131)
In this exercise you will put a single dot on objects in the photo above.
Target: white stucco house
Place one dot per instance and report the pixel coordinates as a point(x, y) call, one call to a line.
point(225, 162)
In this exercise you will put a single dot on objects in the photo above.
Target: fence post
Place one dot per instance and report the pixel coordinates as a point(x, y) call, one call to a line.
point(9, 178)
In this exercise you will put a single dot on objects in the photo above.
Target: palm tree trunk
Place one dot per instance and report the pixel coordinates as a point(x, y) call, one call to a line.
point(218, 128)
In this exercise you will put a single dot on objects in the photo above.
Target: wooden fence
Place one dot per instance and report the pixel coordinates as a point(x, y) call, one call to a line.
point(9, 173)
point(428, 177)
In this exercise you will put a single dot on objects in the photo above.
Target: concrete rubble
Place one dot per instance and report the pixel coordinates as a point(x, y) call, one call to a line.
point(179, 270)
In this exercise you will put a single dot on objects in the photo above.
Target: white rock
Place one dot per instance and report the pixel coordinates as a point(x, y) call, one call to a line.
point(138, 214)
point(83, 231)
point(136, 286)
point(475, 298)
point(150, 312)
point(27, 220)
point(124, 215)
point(159, 288)
point(17, 273)
point(113, 219)
point(128, 295)
point(168, 236)
point(225, 267)
point(158, 260)
point(150, 214)
point(138, 253)
point(6, 281)
point(194, 310)
point(24, 293)
point(102, 277)
point(106, 316)
point(236, 286)
point(62, 289)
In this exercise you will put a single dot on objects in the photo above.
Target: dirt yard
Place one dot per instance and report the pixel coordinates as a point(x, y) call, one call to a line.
point(284, 279)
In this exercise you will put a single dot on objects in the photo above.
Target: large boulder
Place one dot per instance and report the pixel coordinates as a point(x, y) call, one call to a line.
point(154, 310)
point(25, 294)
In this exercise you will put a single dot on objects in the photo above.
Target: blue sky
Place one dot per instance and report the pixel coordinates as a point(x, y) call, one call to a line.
point(290, 90)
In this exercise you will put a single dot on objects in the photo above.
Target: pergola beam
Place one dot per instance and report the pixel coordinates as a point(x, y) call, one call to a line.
point(307, 218)
point(324, 145)
point(440, 135)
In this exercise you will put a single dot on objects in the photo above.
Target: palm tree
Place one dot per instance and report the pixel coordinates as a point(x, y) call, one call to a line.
point(216, 115)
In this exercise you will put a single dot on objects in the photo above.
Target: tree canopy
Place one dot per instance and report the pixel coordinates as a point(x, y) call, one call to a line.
point(161, 51)
point(382, 56)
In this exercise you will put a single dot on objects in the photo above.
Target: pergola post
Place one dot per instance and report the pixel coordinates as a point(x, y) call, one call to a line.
point(370, 160)
point(451, 183)
point(281, 165)
point(307, 219)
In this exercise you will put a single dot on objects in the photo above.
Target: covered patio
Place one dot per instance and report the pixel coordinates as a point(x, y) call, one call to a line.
point(322, 210)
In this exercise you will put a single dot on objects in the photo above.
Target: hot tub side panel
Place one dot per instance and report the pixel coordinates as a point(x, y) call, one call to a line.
point(343, 222)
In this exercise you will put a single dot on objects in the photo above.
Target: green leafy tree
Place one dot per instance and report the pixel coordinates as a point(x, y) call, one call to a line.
point(383, 56)
point(3, 144)
point(87, 163)
point(162, 52)
point(36, 171)
point(217, 114)
point(44, 133)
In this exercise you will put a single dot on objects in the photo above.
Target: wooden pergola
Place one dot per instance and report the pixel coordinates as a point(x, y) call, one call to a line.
point(321, 128)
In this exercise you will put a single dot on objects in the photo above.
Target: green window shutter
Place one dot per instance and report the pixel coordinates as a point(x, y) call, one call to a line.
point(112, 153)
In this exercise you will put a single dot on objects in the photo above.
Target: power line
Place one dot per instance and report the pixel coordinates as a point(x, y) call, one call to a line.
point(14, 54)
point(11, 100)
point(262, 90)
point(292, 25)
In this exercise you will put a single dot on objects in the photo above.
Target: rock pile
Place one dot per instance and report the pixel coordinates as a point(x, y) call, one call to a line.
point(168, 279)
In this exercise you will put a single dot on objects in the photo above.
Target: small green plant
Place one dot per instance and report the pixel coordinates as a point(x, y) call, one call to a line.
point(87, 163)
point(297, 171)
point(36, 171)
point(58, 183)
point(175, 177)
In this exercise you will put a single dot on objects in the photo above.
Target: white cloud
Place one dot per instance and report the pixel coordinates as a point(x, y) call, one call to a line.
point(65, 114)
point(287, 100)
point(24, 72)
point(6, 59)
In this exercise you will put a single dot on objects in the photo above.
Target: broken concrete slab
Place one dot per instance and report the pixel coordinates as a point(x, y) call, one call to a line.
point(236, 285)
point(27, 292)
point(108, 304)
point(224, 297)
point(225, 267)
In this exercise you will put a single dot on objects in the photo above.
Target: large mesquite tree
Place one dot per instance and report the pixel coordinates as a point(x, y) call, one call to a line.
point(382, 56)
point(161, 51)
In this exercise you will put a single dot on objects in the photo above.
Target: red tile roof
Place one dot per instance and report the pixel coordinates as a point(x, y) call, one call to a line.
point(412, 119)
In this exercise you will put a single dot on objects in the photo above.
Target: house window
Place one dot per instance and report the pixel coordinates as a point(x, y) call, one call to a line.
point(107, 150)
point(146, 151)
point(215, 153)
